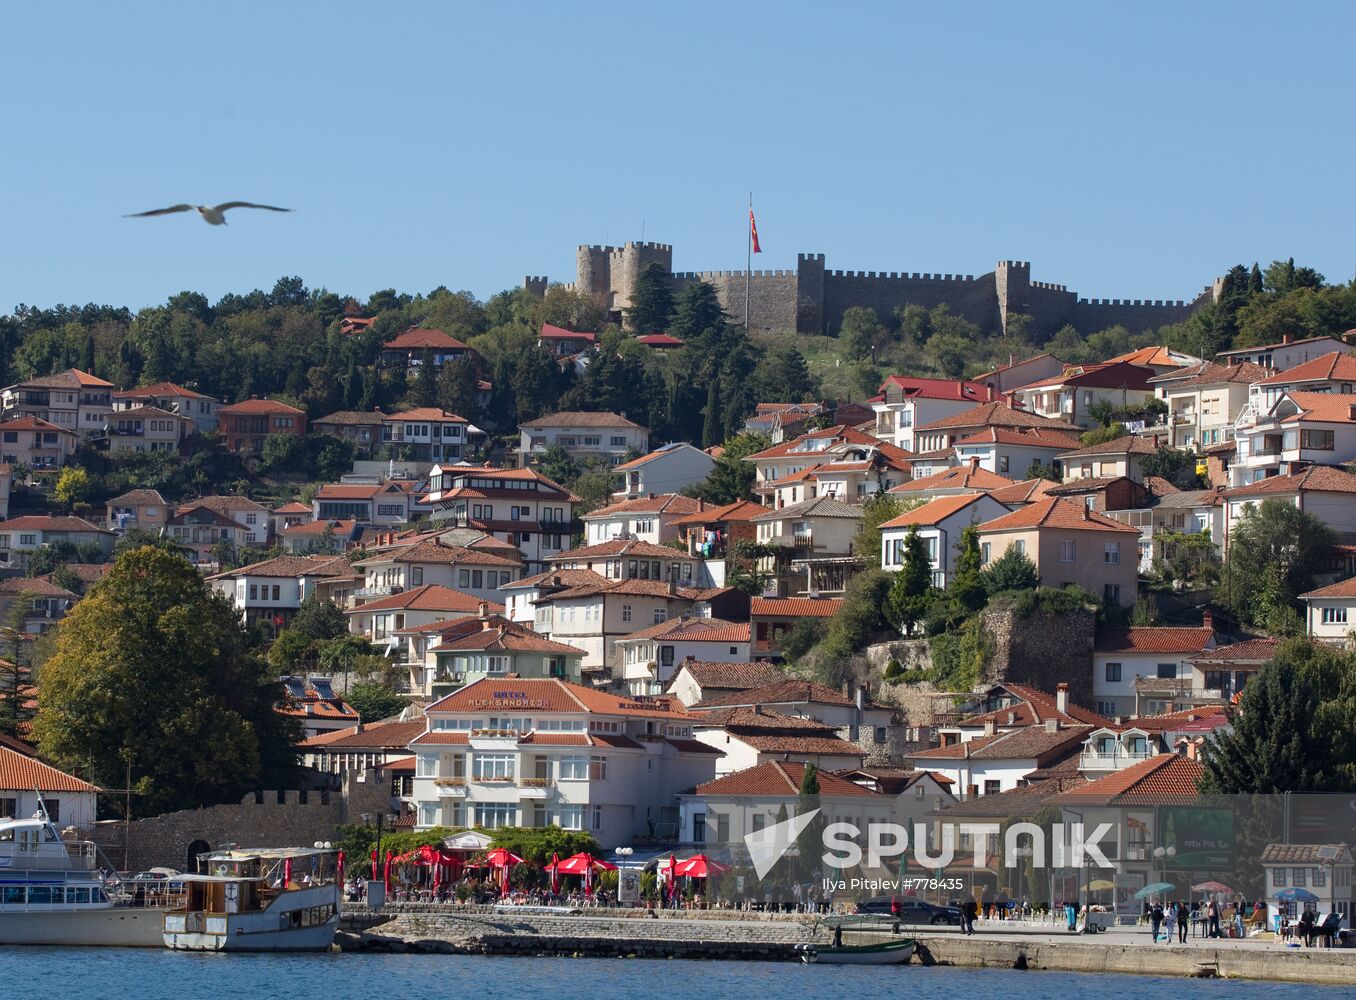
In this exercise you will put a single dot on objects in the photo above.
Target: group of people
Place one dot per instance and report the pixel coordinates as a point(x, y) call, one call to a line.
point(1172, 921)
point(1308, 929)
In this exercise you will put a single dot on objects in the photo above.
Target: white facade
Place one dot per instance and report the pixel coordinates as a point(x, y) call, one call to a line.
point(941, 537)
point(583, 435)
point(665, 470)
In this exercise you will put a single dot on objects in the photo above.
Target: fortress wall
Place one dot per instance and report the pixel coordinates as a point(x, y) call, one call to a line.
point(772, 295)
point(1091, 315)
point(1050, 307)
point(971, 297)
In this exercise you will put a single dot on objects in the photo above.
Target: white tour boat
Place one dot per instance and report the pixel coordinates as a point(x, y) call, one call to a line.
point(53, 893)
point(264, 899)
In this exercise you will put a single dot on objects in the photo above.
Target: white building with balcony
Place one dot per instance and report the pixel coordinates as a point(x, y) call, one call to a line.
point(518, 506)
point(647, 518)
point(394, 568)
point(1330, 612)
point(907, 402)
point(1325, 492)
point(665, 470)
point(1287, 353)
point(584, 435)
point(1299, 429)
point(1072, 395)
point(537, 753)
point(271, 591)
point(1115, 748)
point(1123, 656)
point(1204, 401)
point(939, 524)
point(650, 657)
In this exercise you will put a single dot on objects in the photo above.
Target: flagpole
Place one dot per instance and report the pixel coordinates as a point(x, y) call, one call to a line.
point(748, 262)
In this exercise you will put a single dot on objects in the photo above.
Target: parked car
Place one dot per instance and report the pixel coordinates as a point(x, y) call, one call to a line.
point(911, 910)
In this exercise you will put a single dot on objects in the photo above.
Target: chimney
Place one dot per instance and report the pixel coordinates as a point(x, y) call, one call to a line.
point(1052, 725)
point(482, 611)
point(649, 496)
point(1062, 696)
point(1287, 338)
point(974, 462)
point(1012, 718)
point(1208, 620)
point(701, 505)
point(990, 728)
point(861, 698)
point(1351, 412)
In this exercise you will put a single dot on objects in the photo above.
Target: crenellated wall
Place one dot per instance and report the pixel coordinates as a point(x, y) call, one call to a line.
point(812, 298)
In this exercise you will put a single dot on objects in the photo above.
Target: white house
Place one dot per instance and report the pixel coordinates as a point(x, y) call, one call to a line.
point(381, 618)
point(939, 523)
point(664, 470)
point(650, 657)
point(1071, 395)
point(1204, 401)
point(1011, 452)
point(1299, 429)
point(1330, 612)
point(271, 591)
point(648, 518)
point(200, 409)
point(1327, 493)
point(375, 503)
point(907, 402)
point(1288, 353)
point(1321, 869)
point(525, 752)
point(698, 680)
point(585, 435)
point(392, 569)
point(1123, 656)
point(518, 506)
point(69, 801)
point(253, 517)
point(747, 737)
point(999, 762)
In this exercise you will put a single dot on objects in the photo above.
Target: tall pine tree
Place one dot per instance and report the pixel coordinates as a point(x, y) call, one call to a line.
point(651, 300)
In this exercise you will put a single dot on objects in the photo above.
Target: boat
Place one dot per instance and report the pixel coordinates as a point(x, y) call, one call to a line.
point(258, 899)
point(885, 953)
point(52, 892)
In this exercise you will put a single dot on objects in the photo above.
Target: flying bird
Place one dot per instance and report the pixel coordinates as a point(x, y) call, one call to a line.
point(214, 215)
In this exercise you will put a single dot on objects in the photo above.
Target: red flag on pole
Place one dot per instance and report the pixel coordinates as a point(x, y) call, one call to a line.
point(753, 232)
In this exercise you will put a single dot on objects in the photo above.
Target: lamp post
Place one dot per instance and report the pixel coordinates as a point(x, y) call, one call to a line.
point(1021, 853)
point(370, 819)
point(1160, 855)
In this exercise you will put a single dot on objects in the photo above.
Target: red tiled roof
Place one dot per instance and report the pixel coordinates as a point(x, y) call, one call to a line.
point(295, 507)
point(1148, 356)
point(1025, 492)
point(442, 738)
point(617, 547)
point(285, 566)
point(838, 434)
point(1153, 639)
point(659, 340)
point(794, 607)
point(158, 389)
point(1342, 588)
point(46, 522)
point(34, 586)
point(561, 579)
point(32, 424)
point(686, 629)
point(1174, 721)
point(432, 414)
point(1334, 366)
point(416, 338)
point(786, 691)
point(580, 418)
point(1325, 407)
point(549, 332)
point(372, 736)
point(354, 418)
point(996, 414)
point(19, 772)
point(72, 377)
point(664, 503)
point(1319, 478)
point(801, 745)
point(916, 387)
point(934, 511)
point(1247, 651)
point(962, 477)
point(430, 550)
point(266, 406)
point(1034, 707)
point(1212, 373)
point(429, 597)
point(1051, 512)
point(1036, 437)
point(1130, 444)
point(738, 512)
point(780, 779)
point(710, 676)
point(554, 696)
point(1110, 375)
point(338, 526)
point(509, 639)
point(1167, 777)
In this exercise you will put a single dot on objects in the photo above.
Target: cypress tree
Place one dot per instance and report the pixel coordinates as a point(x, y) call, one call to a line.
point(713, 430)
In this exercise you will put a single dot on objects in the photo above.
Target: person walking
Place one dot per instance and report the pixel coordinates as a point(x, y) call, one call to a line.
point(1071, 916)
point(1169, 923)
point(1212, 915)
point(1183, 921)
point(968, 909)
point(1156, 920)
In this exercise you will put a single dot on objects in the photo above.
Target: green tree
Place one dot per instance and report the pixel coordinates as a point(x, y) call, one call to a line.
point(861, 332)
point(1013, 570)
point(732, 478)
point(784, 376)
point(697, 315)
point(152, 667)
point(948, 353)
point(1275, 553)
point(281, 453)
point(559, 465)
point(74, 486)
point(424, 389)
point(1282, 737)
point(15, 667)
point(877, 508)
point(909, 592)
point(860, 618)
point(319, 618)
point(1173, 464)
point(713, 427)
point(374, 702)
point(651, 300)
point(459, 389)
point(966, 586)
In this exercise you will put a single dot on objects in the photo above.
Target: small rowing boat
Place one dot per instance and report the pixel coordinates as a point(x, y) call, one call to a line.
point(885, 953)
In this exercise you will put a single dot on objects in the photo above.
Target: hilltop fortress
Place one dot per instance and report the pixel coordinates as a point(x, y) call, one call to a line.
point(812, 298)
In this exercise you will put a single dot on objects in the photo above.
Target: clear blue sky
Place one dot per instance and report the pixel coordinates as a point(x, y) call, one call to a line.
point(1128, 150)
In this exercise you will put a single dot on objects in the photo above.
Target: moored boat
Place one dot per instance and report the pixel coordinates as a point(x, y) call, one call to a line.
point(884, 953)
point(262, 899)
point(53, 893)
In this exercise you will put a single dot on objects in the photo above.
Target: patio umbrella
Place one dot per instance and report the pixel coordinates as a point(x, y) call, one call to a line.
point(386, 872)
point(1212, 887)
point(670, 882)
point(1100, 885)
point(699, 866)
point(555, 874)
point(1295, 895)
point(502, 857)
point(578, 864)
point(1154, 889)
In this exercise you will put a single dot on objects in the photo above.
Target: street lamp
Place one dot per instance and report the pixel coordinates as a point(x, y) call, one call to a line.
point(1021, 853)
point(388, 818)
point(1161, 853)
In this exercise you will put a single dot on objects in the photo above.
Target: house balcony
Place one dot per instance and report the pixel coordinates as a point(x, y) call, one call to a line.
point(536, 788)
point(1091, 760)
point(803, 540)
point(1169, 686)
point(451, 788)
point(494, 739)
point(385, 590)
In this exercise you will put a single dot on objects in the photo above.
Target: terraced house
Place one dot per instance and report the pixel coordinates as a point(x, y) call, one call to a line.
point(244, 427)
point(518, 506)
point(73, 400)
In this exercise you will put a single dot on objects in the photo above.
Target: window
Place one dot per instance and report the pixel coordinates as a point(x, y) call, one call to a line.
point(626, 612)
point(251, 518)
point(1020, 545)
point(493, 766)
point(9, 808)
point(428, 814)
point(1167, 671)
point(660, 616)
point(1316, 440)
point(28, 540)
point(425, 766)
point(390, 510)
point(597, 768)
point(1002, 463)
point(1113, 672)
point(1298, 877)
point(1067, 551)
point(492, 816)
point(254, 592)
point(1090, 502)
point(1111, 593)
point(572, 817)
point(992, 786)
point(1334, 616)
point(277, 592)
point(416, 576)
point(618, 442)
point(597, 818)
point(1318, 878)
point(984, 552)
point(574, 768)
point(666, 656)
point(498, 664)
point(1112, 554)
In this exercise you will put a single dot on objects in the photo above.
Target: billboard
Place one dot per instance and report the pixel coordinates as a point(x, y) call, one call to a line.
point(1196, 838)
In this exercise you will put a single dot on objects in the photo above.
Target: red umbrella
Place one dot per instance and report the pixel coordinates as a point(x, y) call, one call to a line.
point(502, 857)
point(699, 866)
point(374, 864)
point(555, 874)
point(287, 872)
point(386, 873)
point(583, 862)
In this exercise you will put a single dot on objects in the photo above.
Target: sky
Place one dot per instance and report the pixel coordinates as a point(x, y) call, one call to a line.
point(1126, 150)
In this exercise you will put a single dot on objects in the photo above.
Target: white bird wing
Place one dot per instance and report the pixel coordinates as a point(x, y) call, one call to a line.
point(161, 211)
point(248, 204)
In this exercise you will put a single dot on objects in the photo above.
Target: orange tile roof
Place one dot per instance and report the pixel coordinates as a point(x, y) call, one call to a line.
point(784, 691)
point(340, 527)
point(1148, 356)
point(780, 779)
point(664, 503)
point(286, 566)
point(1036, 437)
point(1212, 373)
point(934, 511)
point(996, 414)
point(918, 387)
point(1024, 492)
point(510, 640)
point(688, 629)
point(1342, 588)
point(794, 607)
point(19, 772)
point(1034, 707)
point(618, 547)
point(1153, 639)
point(416, 338)
point(738, 512)
point(1052, 512)
point(294, 507)
point(802, 745)
point(1168, 777)
point(429, 597)
point(1319, 478)
point(158, 389)
point(962, 477)
point(370, 736)
point(432, 414)
point(550, 695)
point(1335, 366)
point(50, 522)
point(1130, 444)
point(430, 550)
point(1326, 407)
point(1248, 651)
point(549, 332)
point(32, 424)
point(249, 406)
point(70, 377)
point(580, 418)
point(712, 676)
point(838, 434)
point(561, 579)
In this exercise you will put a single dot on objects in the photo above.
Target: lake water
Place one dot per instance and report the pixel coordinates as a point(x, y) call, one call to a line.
point(156, 975)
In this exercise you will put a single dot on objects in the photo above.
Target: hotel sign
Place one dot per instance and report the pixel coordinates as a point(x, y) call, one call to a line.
point(510, 699)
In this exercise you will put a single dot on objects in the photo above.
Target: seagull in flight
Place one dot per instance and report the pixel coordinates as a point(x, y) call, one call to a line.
point(213, 215)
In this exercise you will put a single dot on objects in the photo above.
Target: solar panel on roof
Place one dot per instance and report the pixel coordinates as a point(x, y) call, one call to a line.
point(322, 688)
point(295, 687)
point(1329, 853)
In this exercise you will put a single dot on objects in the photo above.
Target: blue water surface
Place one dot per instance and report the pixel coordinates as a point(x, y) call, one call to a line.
point(160, 975)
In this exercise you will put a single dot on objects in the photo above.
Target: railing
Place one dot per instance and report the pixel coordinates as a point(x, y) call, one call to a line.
point(450, 782)
point(382, 591)
point(1114, 761)
point(536, 783)
point(803, 540)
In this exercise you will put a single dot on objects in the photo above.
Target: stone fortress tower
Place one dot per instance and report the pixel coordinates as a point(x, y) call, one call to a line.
point(812, 299)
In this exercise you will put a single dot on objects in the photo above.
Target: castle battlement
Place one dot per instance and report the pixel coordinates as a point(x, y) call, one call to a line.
point(1142, 303)
point(1049, 287)
point(899, 276)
